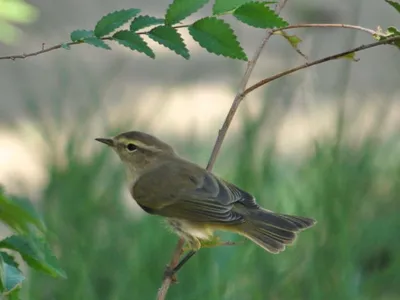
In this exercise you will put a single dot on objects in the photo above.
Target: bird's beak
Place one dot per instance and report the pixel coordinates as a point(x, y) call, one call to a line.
point(108, 142)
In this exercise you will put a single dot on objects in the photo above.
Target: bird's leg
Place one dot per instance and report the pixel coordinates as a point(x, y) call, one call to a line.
point(183, 261)
point(195, 246)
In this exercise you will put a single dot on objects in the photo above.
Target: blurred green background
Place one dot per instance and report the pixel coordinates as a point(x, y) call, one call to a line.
point(324, 143)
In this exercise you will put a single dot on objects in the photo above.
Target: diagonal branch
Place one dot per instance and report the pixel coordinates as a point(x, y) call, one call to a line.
point(319, 61)
point(162, 292)
point(239, 96)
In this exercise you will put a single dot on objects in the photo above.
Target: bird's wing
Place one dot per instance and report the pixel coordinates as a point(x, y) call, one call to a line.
point(188, 192)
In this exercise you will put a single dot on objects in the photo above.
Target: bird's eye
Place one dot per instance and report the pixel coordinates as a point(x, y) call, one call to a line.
point(131, 147)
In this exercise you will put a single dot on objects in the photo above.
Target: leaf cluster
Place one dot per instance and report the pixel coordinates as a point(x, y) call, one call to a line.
point(211, 33)
point(28, 241)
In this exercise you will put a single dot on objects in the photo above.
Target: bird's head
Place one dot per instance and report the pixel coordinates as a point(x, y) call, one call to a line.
point(138, 150)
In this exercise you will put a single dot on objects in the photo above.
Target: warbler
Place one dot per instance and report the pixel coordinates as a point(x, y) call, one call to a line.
point(196, 202)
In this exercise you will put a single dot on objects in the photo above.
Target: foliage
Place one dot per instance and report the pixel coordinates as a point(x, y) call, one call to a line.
point(27, 240)
point(211, 33)
point(17, 11)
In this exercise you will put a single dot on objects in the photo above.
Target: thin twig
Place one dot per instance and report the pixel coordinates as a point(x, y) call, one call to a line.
point(239, 96)
point(59, 46)
point(318, 61)
point(162, 291)
point(222, 132)
point(296, 26)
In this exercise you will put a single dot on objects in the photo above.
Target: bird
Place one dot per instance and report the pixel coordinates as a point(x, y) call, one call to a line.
point(194, 201)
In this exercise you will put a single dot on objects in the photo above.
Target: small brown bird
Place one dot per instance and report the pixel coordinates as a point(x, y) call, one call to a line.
point(195, 201)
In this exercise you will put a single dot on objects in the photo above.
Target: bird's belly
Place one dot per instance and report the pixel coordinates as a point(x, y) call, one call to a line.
point(185, 228)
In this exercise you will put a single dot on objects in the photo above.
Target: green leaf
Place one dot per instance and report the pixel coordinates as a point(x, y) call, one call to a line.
point(113, 21)
point(19, 214)
point(392, 33)
point(226, 6)
point(79, 35)
point(13, 277)
point(94, 41)
point(10, 276)
point(181, 9)
point(351, 56)
point(258, 15)
point(389, 33)
point(35, 252)
point(170, 38)
point(65, 46)
point(293, 40)
point(133, 41)
point(141, 22)
point(8, 259)
point(394, 4)
point(217, 37)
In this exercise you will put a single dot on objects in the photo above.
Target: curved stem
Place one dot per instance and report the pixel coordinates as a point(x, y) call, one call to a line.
point(296, 26)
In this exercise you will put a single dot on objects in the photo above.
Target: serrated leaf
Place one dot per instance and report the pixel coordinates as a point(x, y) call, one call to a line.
point(170, 38)
point(94, 41)
point(114, 20)
point(133, 41)
point(78, 35)
point(13, 278)
point(181, 9)
point(225, 6)
point(141, 22)
point(35, 252)
point(19, 214)
point(8, 259)
point(217, 37)
point(394, 4)
point(10, 275)
point(257, 14)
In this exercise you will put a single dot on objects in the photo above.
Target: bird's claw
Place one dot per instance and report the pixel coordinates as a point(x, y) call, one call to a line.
point(170, 273)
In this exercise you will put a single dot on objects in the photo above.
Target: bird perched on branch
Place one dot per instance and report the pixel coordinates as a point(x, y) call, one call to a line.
point(196, 202)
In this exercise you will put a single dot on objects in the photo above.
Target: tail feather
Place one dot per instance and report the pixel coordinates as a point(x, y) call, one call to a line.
point(273, 231)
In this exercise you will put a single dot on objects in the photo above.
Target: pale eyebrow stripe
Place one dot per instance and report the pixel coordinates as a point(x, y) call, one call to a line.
point(140, 144)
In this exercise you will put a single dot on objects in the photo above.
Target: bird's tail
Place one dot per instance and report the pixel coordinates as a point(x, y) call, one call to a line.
point(273, 231)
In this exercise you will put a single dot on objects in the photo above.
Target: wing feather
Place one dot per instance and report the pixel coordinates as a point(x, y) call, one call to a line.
point(194, 194)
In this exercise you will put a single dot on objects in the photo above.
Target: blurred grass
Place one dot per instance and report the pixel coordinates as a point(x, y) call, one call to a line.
point(111, 252)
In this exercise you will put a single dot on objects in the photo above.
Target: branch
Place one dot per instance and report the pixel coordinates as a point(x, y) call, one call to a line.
point(240, 95)
point(318, 61)
point(59, 46)
point(162, 292)
point(222, 133)
point(296, 26)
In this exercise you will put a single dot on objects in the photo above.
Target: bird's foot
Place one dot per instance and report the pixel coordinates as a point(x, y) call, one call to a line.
point(170, 273)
